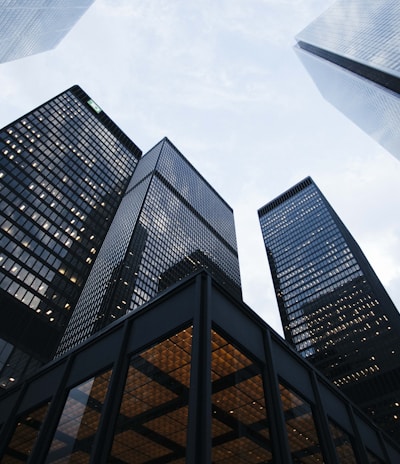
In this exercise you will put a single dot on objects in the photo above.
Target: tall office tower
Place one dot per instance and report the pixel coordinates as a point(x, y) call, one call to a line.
point(334, 310)
point(63, 170)
point(170, 223)
point(352, 52)
point(28, 27)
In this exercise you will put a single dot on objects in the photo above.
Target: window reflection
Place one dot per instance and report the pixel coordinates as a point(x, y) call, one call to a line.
point(240, 431)
point(373, 459)
point(79, 421)
point(302, 434)
point(344, 448)
point(153, 416)
point(24, 437)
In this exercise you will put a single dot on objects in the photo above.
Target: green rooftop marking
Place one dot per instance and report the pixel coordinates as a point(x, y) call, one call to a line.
point(94, 105)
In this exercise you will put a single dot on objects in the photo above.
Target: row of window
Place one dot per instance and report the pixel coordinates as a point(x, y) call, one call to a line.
point(154, 413)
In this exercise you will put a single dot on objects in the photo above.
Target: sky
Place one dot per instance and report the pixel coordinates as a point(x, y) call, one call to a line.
point(220, 79)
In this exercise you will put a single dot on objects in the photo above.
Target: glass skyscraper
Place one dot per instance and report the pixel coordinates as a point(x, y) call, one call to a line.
point(352, 52)
point(334, 310)
point(64, 168)
point(28, 27)
point(170, 223)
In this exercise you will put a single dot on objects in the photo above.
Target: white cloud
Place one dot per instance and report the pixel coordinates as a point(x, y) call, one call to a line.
point(221, 81)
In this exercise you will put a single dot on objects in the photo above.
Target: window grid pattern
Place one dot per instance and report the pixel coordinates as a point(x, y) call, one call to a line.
point(363, 31)
point(63, 170)
point(148, 417)
point(165, 228)
point(240, 431)
point(61, 185)
point(24, 436)
point(152, 422)
point(372, 107)
point(32, 26)
point(300, 426)
point(333, 308)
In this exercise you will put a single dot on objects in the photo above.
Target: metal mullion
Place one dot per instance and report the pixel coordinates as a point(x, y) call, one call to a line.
point(279, 439)
point(199, 419)
point(321, 418)
point(105, 435)
point(42, 445)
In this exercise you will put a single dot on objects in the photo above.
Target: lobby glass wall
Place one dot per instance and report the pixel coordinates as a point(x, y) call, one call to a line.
point(152, 420)
point(239, 418)
point(133, 394)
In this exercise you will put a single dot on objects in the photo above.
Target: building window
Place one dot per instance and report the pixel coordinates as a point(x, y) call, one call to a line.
point(79, 421)
point(373, 459)
point(153, 416)
point(343, 445)
point(239, 418)
point(302, 434)
point(25, 434)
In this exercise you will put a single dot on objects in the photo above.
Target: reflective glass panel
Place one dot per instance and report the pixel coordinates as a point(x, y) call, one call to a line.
point(300, 426)
point(79, 421)
point(342, 441)
point(152, 420)
point(373, 459)
point(240, 431)
point(24, 436)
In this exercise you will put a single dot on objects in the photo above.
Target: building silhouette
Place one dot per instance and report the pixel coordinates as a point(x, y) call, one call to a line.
point(64, 168)
point(352, 52)
point(28, 27)
point(170, 222)
point(193, 376)
point(334, 310)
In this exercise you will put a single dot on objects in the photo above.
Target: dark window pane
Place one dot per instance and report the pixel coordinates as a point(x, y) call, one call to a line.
point(24, 436)
point(343, 445)
point(300, 426)
point(79, 421)
point(373, 459)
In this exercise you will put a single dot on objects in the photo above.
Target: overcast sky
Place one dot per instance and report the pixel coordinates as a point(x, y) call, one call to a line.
point(220, 79)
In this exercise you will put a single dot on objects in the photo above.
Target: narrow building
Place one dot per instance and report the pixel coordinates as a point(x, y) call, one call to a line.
point(334, 310)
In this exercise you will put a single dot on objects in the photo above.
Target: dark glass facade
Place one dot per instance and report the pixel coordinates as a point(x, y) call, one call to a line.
point(334, 310)
point(170, 223)
point(28, 27)
point(64, 168)
point(352, 54)
point(196, 377)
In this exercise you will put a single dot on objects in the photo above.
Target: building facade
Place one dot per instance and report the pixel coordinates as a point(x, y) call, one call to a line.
point(352, 52)
point(28, 27)
point(194, 376)
point(334, 310)
point(64, 168)
point(170, 223)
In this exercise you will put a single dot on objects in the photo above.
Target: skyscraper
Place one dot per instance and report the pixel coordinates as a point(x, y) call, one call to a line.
point(28, 27)
point(352, 52)
point(170, 222)
point(334, 310)
point(63, 170)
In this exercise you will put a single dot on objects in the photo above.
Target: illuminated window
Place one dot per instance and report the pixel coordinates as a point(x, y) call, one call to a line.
point(239, 418)
point(153, 415)
point(300, 426)
point(25, 434)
